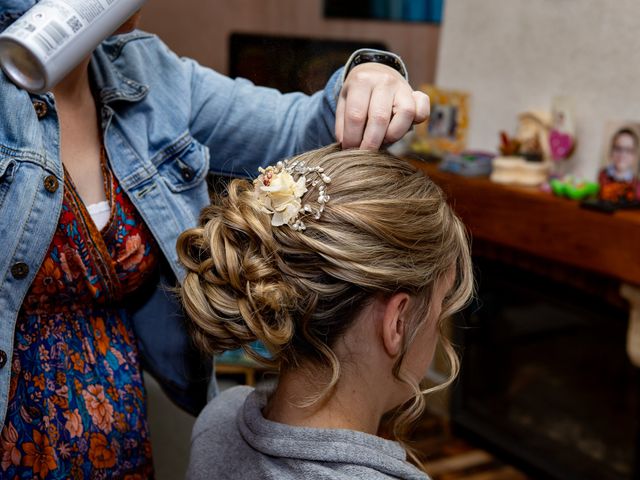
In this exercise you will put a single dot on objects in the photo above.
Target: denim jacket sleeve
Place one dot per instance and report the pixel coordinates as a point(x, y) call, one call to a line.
point(245, 126)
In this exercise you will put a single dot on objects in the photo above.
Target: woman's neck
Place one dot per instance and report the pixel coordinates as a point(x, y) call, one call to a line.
point(352, 405)
point(365, 390)
point(80, 133)
point(75, 87)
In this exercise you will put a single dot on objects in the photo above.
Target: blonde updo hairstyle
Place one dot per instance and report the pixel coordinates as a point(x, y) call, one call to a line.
point(387, 228)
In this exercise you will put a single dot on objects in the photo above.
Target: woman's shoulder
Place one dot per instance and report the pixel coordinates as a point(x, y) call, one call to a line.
point(221, 411)
point(232, 439)
point(136, 51)
point(217, 448)
point(143, 58)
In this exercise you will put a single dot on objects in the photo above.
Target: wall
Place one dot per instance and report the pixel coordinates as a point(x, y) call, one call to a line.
point(513, 55)
point(200, 29)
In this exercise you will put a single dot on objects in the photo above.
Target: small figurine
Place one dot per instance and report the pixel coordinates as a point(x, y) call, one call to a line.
point(525, 157)
point(531, 140)
point(533, 135)
point(509, 146)
point(562, 137)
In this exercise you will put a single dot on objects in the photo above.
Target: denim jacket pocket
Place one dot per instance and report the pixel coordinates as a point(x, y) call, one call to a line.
point(8, 167)
point(184, 164)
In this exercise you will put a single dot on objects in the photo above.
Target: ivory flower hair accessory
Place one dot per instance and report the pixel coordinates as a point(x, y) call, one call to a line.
point(280, 194)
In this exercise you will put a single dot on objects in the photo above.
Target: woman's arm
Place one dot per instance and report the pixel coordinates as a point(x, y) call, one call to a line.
point(245, 125)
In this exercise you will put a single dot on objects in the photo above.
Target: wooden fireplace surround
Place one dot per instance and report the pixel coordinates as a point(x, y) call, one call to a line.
point(525, 223)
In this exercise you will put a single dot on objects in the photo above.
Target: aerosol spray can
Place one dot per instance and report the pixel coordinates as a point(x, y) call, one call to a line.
point(54, 36)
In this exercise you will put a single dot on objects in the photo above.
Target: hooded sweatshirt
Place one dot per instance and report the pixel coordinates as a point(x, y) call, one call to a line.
point(232, 440)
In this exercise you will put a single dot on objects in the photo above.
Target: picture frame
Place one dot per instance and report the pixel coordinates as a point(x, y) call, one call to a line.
point(447, 128)
point(618, 175)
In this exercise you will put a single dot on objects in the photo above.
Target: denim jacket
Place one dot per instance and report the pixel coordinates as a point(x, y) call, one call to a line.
point(167, 122)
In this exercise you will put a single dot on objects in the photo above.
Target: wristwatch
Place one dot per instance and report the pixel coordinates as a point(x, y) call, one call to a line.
point(366, 55)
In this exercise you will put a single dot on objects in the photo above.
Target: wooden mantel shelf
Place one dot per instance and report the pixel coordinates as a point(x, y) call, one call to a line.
point(549, 227)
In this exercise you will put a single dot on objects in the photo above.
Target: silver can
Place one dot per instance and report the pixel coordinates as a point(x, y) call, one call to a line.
point(54, 36)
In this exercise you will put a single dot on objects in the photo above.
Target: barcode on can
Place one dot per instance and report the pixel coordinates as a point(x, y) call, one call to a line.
point(74, 24)
point(52, 36)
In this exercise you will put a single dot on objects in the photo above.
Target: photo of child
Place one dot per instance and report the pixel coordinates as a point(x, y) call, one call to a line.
point(443, 122)
point(618, 177)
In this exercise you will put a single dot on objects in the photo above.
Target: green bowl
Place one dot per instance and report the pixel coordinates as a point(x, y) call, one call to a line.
point(573, 191)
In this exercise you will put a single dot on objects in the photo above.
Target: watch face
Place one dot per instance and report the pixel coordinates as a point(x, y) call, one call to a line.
point(384, 58)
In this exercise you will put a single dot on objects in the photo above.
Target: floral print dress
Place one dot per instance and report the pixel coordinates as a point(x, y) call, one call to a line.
point(77, 400)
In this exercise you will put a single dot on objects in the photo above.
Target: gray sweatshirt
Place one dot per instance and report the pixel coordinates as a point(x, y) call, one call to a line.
point(232, 440)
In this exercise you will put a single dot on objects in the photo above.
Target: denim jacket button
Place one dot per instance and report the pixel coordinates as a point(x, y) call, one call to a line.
point(20, 270)
point(51, 184)
point(40, 108)
point(187, 173)
point(3, 358)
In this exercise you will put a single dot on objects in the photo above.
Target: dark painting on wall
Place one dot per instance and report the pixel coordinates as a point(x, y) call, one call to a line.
point(397, 10)
point(290, 64)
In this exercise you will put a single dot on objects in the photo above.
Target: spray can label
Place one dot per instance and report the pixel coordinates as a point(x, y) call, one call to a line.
point(49, 27)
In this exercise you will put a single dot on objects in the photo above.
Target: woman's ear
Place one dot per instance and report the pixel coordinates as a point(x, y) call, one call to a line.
point(393, 322)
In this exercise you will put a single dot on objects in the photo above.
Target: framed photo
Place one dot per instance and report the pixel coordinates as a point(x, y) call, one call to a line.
point(618, 175)
point(446, 131)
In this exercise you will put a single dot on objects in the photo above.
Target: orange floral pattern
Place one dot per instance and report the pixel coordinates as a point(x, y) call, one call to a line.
point(100, 453)
point(98, 406)
point(102, 338)
point(133, 253)
point(74, 423)
point(39, 455)
point(77, 401)
point(10, 453)
point(48, 279)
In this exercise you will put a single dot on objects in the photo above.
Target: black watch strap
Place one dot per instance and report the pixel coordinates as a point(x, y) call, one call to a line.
point(367, 55)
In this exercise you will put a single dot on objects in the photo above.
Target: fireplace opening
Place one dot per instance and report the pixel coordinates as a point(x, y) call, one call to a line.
point(545, 378)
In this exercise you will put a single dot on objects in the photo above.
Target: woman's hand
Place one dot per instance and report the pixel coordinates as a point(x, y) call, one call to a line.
point(377, 106)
